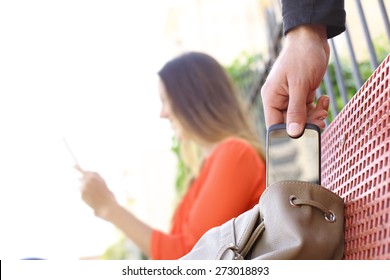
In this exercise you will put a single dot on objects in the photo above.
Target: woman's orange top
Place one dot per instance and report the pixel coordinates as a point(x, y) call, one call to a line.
point(230, 182)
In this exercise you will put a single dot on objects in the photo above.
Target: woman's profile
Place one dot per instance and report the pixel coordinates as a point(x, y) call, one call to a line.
point(227, 164)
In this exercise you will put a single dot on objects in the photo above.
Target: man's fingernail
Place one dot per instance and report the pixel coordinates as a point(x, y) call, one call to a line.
point(326, 102)
point(321, 118)
point(294, 129)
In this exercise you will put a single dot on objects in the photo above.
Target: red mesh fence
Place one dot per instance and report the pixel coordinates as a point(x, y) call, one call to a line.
point(355, 165)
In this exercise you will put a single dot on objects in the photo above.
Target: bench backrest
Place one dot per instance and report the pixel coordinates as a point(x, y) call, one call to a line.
point(356, 166)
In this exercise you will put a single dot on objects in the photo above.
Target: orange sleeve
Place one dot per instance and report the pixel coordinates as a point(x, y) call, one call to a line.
point(234, 180)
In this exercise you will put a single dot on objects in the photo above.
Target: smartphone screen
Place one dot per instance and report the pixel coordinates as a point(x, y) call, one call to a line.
point(293, 158)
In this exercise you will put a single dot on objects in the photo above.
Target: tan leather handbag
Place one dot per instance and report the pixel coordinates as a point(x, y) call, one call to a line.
point(293, 220)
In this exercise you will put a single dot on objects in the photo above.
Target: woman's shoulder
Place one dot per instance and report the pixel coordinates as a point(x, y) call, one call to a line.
point(234, 142)
point(235, 151)
point(235, 146)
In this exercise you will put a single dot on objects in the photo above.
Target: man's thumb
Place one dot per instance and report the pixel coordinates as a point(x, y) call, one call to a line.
point(296, 113)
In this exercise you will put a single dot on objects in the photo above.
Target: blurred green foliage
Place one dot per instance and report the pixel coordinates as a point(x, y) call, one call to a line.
point(382, 49)
point(182, 170)
point(244, 71)
point(116, 251)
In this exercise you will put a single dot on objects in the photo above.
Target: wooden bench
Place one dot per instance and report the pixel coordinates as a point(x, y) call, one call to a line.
point(356, 166)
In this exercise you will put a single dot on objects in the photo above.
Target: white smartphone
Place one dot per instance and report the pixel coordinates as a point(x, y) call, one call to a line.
point(76, 162)
point(290, 158)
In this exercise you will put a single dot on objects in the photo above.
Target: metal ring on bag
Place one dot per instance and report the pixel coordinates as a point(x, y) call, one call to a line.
point(331, 218)
point(291, 199)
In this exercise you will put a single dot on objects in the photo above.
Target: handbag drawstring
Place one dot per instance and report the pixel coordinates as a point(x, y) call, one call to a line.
point(329, 215)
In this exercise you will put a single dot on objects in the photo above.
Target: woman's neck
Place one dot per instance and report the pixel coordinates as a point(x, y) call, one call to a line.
point(207, 149)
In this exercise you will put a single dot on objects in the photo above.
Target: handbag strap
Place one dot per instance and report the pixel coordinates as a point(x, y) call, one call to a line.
point(228, 238)
point(255, 235)
point(240, 254)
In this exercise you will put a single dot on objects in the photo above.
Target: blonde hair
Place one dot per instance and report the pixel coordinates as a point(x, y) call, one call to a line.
point(207, 105)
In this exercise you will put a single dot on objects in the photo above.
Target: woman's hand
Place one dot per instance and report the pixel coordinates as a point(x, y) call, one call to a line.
point(95, 193)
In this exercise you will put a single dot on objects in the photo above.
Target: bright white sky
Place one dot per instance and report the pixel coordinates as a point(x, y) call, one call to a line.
point(85, 70)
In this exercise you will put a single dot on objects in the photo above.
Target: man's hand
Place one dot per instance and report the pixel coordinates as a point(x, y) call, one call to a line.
point(289, 91)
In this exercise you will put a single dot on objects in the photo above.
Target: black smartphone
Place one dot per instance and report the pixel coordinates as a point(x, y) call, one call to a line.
point(290, 158)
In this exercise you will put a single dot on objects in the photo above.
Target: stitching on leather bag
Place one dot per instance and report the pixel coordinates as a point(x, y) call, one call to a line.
point(319, 187)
